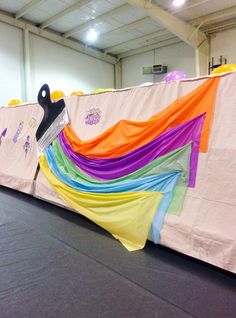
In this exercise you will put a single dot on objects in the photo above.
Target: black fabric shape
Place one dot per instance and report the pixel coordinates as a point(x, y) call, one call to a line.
point(51, 110)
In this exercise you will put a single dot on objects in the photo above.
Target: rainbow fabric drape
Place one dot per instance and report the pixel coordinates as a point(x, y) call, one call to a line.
point(128, 135)
point(129, 177)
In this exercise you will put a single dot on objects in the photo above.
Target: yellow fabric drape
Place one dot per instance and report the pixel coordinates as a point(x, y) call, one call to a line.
point(127, 216)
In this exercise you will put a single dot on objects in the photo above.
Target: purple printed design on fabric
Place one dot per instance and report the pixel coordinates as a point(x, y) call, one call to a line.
point(26, 145)
point(18, 132)
point(93, 116)
point(3, 134)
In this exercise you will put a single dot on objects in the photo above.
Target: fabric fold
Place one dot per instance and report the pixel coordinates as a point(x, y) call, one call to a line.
point(126, 179)
point(127, 216)
point(165, 183)
point(112, 168)
point(177, 160)
point(128, 135)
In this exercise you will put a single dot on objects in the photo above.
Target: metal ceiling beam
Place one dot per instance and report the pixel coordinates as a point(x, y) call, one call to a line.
point(118, 74)
point(140, 22)
point(26, 83)
point(136, 40)
point(28, 7)
point(202, 57)
point(147, 48)
point(100, 18)
point(220, 26)
point(56, 37)
point(185, 31)
point(192, 4)
point(133, 41)
point(206, 19)
point(180, 28)
point(202, 53)
point(63, 13)
point(127, 27)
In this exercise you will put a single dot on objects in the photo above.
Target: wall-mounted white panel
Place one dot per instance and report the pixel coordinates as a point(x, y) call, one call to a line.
point(224, 44)
point(132, 69)
point(178, 56)
point(65, 69)
point(11, 63)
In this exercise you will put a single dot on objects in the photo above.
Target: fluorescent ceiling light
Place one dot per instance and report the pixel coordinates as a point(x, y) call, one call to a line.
point(178, 3)
point(92, 35)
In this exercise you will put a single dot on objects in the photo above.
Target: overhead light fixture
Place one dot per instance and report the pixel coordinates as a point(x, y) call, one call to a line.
point(92, 35)
point(178, 3)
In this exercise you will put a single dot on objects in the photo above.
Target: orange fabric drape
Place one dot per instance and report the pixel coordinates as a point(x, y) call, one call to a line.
point(127, 135)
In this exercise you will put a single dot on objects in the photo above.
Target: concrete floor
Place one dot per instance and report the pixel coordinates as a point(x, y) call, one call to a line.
point(54, 263)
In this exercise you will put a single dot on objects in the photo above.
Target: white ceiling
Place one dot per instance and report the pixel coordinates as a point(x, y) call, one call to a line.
point(121, 26)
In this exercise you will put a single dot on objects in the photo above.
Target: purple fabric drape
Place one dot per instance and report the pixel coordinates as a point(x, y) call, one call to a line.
point(112, 168)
